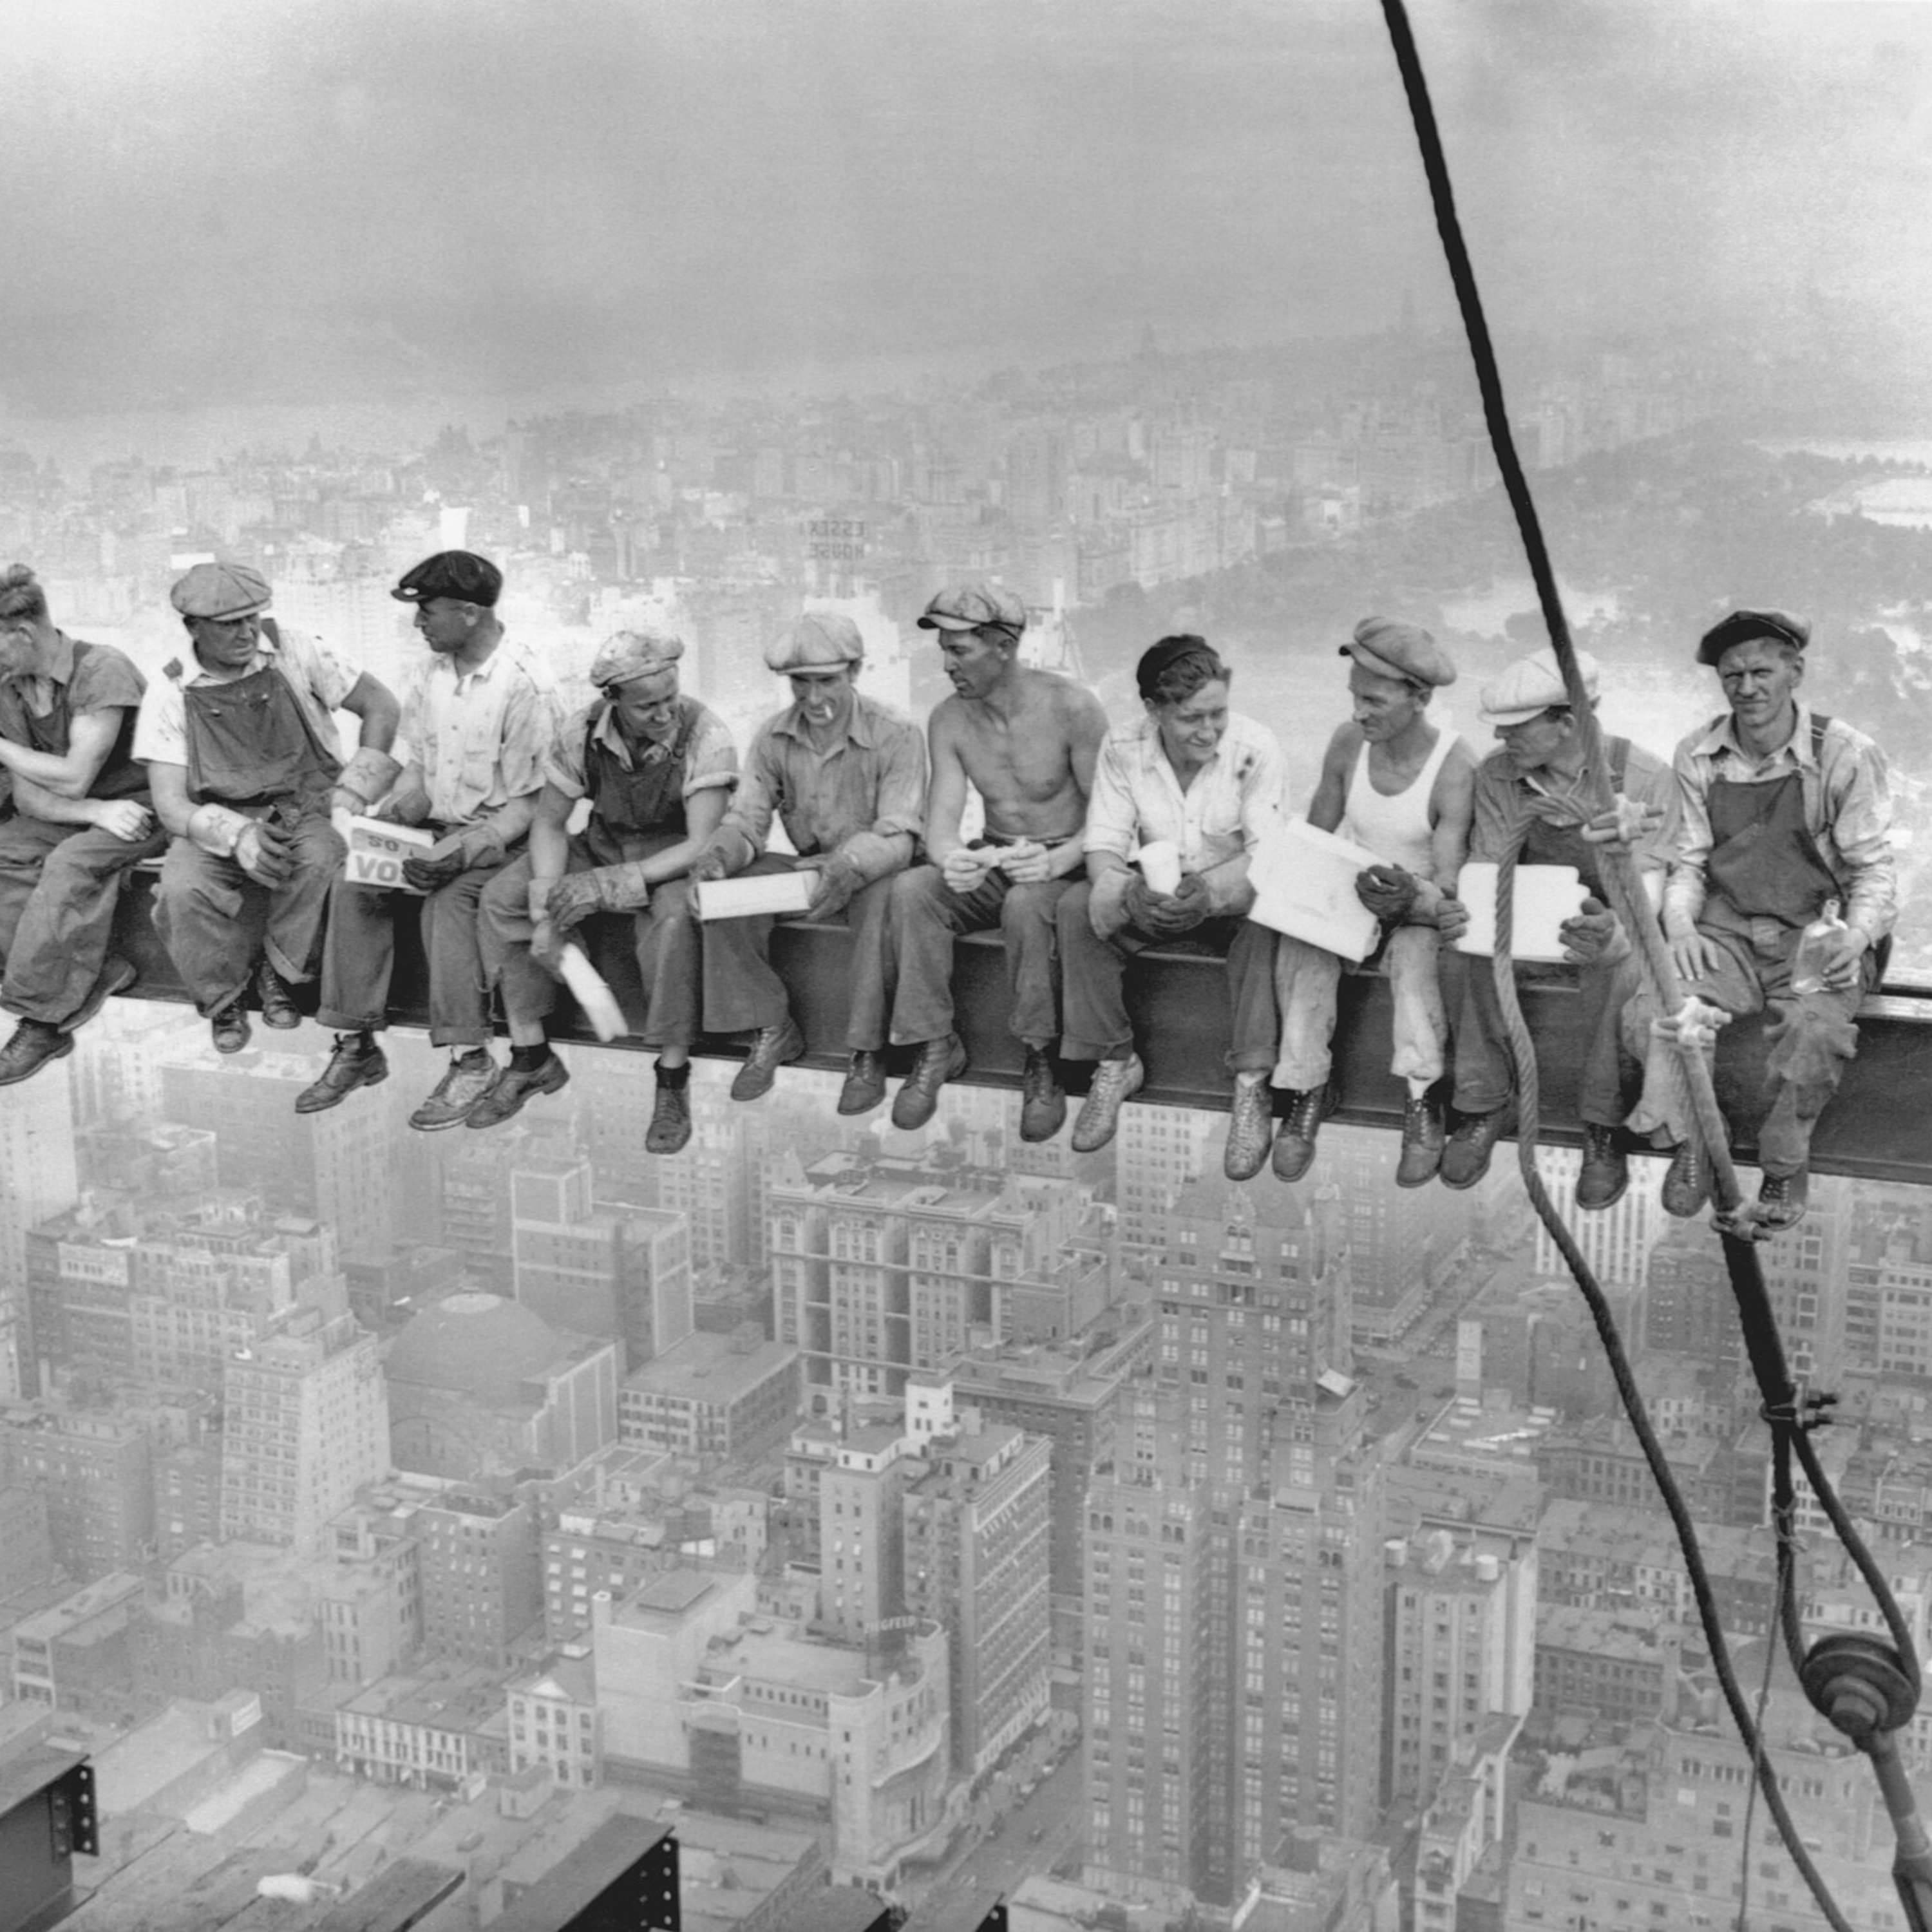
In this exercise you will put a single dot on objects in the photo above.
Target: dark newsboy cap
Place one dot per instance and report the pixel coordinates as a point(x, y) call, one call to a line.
point(460, 574)
point(1744, 627)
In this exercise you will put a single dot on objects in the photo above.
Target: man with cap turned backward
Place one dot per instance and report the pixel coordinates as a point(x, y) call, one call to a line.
point(1784, 810)
point(1026, 740)
point(1534, 795)
point(1192, 774)
point(658, 768)
point(1399, 785)
point(81, 820)
point(246, 770)
point(846, 774)
point(478, 721)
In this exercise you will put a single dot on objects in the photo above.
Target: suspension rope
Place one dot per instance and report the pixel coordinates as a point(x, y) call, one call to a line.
point(1788, 1419)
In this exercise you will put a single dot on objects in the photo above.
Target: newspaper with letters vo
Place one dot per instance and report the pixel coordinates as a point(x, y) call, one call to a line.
point(377, 849)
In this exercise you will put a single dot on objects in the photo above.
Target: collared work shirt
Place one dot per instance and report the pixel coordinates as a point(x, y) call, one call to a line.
point(871, 781)
point(711, 759)
point(1847, 793)
point(320, 678)
point(99, 678)
point(1502, 795)
point(1235, 798)
point(479, 739)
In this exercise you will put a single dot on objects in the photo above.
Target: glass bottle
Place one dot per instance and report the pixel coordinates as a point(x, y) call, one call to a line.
point(1807, 971)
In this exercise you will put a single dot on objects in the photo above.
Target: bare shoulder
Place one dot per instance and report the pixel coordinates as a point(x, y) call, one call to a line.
point(946, 721)
point(1073, 702)
point(1462, 756)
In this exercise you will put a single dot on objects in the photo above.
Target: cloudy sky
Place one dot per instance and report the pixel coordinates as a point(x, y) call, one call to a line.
point(212, 199)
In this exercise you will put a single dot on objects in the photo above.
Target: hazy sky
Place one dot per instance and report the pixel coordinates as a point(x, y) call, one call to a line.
point(216, 200)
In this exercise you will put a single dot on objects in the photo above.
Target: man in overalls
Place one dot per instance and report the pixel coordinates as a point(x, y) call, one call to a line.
point(846, 775)
point(81, 819)
point(479, 722)
point(1532, 797)
point(246, 769)
point(658, 769)
point(1784, 810)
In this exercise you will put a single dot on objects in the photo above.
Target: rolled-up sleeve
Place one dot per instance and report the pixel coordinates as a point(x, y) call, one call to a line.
point(1858, 798)
point(563, 761)
point(711, 759)
point(1684, 891)
point(1111, 818)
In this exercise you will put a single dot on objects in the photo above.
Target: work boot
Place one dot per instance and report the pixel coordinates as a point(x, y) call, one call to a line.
point(1687, 1182)
point(1294, 1140)
point(228, 1027)
point(464, 1082)
point(917, 1100)
point(773, 1047)
point(670, 1129)
point(1465, 1154)
point(1421, 1141)
point(1115, 1082)
point(1042, 1099)
point(34, 1044)
point(357, 1061)
point(864, 1085)
point(1784, 1198)
point(1605, 1173)
point(1250, 1123)
point(513, 1086)
point(279, 1010)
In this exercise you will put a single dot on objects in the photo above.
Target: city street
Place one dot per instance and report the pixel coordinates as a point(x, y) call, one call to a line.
point(1034, 1837)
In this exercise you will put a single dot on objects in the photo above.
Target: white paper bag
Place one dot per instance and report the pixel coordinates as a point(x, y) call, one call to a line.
point(1304, 882)
point(752, 894)
point(1546, 895)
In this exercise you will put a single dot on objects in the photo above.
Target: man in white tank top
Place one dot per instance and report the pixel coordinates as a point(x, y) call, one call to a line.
point(1393, 781)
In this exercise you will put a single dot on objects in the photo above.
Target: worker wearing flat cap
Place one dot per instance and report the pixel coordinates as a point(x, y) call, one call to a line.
point(658, 769)
point(1786, 813)
point(81, 820)
point(247, 770)
point(1534, 797)
point(1400, 785)
point(845, 775)
point(478, 719)
point(1191, 775)
point(1026, 741)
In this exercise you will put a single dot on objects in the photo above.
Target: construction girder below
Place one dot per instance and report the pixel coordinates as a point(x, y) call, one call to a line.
point(1877, 1126)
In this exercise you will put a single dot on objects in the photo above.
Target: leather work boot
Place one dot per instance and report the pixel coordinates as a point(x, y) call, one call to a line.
point(228, 1027)
point(773, 1047)
point(670, 1129)
point(864, 1085)
point(1687, 1182)
point(1605, 1173)
point(917, 1100)
point(512, 1087)
point(1465, 1154)
point(1421, 1141)
point(357, 1061)
point(35, 1043)
point(1295, 1139)
point(465, 1082)
point(1115, 1082)
point(279, 1010)
point(1042, 1099)
point(1250, 1126)
point(1784, 1198)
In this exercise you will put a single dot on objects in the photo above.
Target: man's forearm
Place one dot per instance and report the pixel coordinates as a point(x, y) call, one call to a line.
point(53, 772)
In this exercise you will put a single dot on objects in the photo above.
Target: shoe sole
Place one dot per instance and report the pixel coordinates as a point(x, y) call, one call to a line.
point(863, 1102)
point(336, 1100)
point(749, 1084)
point(924, 1104)
point(1420, 1180)
point(60, 1052)
point(1034, 1134)
point(281, 1022)
point(1600, 1207)
point(470, 1119)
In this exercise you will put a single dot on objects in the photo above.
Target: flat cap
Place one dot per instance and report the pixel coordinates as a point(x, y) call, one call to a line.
point(1392, 649)
point(1530, 686)
point(1745, 627)
point(460, 574)
point(966, 607)
point(220, 590)
point(820, 641)
point(625, 654)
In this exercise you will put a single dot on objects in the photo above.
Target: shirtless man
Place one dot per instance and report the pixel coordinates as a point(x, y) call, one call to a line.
point(1402, 787)
point(1026, 740)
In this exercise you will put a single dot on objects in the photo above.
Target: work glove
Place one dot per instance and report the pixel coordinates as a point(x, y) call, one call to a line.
point(427, 874)
point(713, 862)
point(838, 880)
point(609, 889)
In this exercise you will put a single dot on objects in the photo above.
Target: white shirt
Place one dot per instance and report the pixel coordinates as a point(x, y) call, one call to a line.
point(320, 678)
point(1235, 797)
point(479, 739)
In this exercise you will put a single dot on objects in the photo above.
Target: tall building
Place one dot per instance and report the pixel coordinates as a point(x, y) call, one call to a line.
point(305, 1424)
point(1235, 1627)
point(977, 1524)
point(1398, 1237)
point(1160, 1150)
point(481, 1575)
point(1617, 1242)
point(39, 1178)
point(96, 1472)
point(624, 1274)
point(712, 1396)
